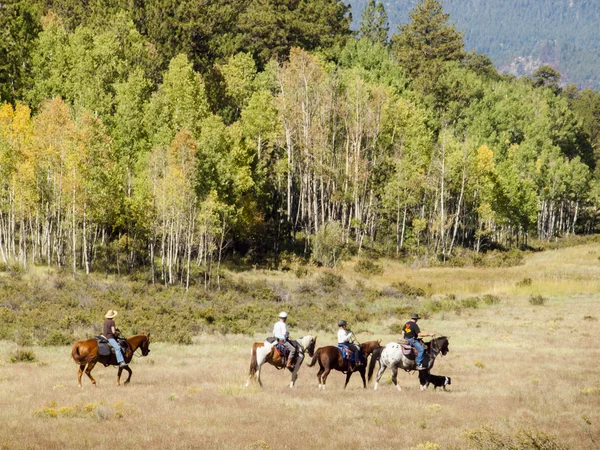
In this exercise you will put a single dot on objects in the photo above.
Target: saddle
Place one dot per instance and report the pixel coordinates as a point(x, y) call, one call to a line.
point(409, 351)
point(283, 352)
point(346, 352)
point(105, 349)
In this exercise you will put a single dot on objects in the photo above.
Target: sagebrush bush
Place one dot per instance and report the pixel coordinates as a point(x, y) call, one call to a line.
point(406, 290)
point(23, 356)
point(329, 281)
point(487, 438)
point(367, 268)
point(537, 300)
point(524, 282)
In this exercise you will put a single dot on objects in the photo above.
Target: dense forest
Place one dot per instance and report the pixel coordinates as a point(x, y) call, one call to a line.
point(164, 136)
point(521, 35)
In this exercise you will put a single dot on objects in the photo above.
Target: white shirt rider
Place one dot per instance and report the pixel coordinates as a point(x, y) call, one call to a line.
point(344, 336)
point(280, 331)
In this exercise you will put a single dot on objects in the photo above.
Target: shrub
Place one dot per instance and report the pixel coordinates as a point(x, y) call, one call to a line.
point(366, 267)
point(407, 290)
point(487, 438)
point(524, 282)
point(328, 245)
point(397, 328)
point(330, 281)
point(537, 300)
point(23, 356)
point(57, 338)
point(490, 299)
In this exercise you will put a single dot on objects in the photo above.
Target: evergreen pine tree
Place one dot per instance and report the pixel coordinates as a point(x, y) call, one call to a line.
point(428, 39)
point(374, 24)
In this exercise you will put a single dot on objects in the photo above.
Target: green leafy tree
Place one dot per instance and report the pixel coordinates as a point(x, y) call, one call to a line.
point(179, 103)
point(19, 22)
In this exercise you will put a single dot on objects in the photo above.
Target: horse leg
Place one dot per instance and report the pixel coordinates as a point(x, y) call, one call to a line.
point(382, 368)
point(319, 373)
point(348, 375)
point(296, 369)
point(395, 378)
point(362, 374)
point(423, 375)
point(324, 377)
point(130, 373)
point(258, 375)
point(80, 373)
point(88, 372)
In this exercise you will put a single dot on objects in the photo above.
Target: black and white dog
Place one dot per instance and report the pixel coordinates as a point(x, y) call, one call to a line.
point(437, 381)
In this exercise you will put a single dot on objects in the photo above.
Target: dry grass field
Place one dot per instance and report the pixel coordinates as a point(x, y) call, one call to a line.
point(522, 375)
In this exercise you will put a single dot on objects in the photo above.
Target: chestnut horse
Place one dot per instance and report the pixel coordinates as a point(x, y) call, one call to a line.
point(330, 358)
point(86, 353)
point(265, 352)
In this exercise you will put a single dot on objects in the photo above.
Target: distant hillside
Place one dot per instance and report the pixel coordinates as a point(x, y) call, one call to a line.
point(520, 35)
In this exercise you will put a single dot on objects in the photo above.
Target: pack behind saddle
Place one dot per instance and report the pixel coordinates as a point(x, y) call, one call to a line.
point(281, 349)
point(105, 349)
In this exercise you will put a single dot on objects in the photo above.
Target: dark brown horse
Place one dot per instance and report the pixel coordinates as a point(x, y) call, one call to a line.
point(86, 353)
point(330, 358)
point(264, 352)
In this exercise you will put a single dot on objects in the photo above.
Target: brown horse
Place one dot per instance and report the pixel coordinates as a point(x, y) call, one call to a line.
point(264, 352)
point(330, 358)
point(86, 353)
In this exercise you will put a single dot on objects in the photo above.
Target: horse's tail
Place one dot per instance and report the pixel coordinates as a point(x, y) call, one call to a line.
point(315, 357)
point(253, 361)
point(75, 352)
point(375, 355)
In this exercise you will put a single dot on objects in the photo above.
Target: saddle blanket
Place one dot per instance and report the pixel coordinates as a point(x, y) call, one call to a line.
point(346, 352)
point(281, 350)
point(407, 350)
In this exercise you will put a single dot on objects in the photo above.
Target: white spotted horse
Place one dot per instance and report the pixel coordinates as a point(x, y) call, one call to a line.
point(393, 356)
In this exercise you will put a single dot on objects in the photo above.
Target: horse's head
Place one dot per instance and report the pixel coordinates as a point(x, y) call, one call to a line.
point(145, 344)
point(369, 346)
point(310, 347)
point(442, 344)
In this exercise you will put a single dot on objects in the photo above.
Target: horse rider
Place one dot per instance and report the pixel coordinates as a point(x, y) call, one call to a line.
point(344, 337)
point(109, 332)
point(412, 333)
point(281, 334)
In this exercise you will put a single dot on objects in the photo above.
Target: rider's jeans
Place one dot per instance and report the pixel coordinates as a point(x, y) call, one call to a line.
point(117, 348)
point(416, 344)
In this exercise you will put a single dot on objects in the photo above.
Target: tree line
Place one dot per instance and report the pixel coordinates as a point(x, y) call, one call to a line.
point(520, 35)
point(126, 146)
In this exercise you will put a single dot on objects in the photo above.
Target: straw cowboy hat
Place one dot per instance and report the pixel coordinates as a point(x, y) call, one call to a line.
point(110, 314)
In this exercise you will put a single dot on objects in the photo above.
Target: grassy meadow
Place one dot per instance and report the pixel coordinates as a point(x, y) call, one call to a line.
point(524, 375)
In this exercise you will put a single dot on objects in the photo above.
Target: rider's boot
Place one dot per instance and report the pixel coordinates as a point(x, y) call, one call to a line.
point(290, 364)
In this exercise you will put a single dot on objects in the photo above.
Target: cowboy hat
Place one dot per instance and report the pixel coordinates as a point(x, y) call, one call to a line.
point(283, 315)
point(415, 316)
point(110, 314)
